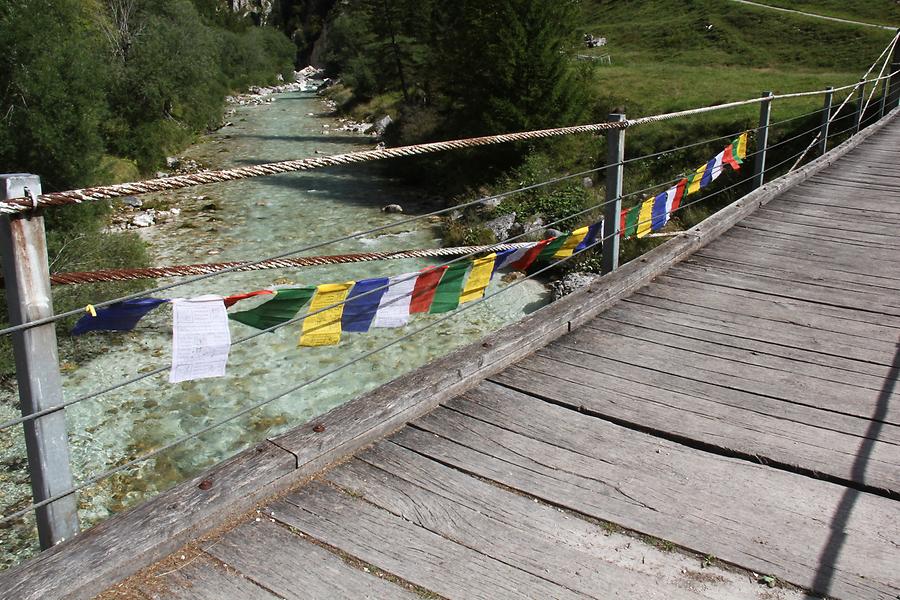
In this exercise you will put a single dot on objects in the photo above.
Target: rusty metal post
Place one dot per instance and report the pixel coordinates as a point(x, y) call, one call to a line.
point(826, 120)
point(615, 155)
point(25, 269)
point(762, 141)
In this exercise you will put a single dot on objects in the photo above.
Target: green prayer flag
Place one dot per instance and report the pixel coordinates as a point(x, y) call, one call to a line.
point(552, 248)
point(446, 296)
point(631, 221)
point(280, 309)
point(737, 155)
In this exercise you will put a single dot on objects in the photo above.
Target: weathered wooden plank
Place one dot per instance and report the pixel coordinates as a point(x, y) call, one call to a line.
point(582, 345)
point(751, 237)
point(850, 216)
point(294, 568)
point(871, 230)
point(869, 208)
point(872, 235)
point(691, 326)
point(794, 334)
point(619, 328)
point(788, 435)
point(406, 550)
point(800, 271)
point(838, 269)
point(762, 285)
point(514, 540)
point(856, 328)
point(810, 233)
point(122, 545)
point(738, 511)
point(691, 384)
point(204, 580)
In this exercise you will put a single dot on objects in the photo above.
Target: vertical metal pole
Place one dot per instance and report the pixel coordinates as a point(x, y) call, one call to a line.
point(894, 98)
point(615, 155)
point(882, 108)
point(862, 104)
point(826, 120)
point(27, 275)
point(762, 140)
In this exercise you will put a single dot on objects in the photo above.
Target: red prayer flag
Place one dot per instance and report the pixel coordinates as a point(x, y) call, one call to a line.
point(728, 158)
point(530, 256)
point(232, 300)
point(679, 194)
point(622, 216)
point(423, 292)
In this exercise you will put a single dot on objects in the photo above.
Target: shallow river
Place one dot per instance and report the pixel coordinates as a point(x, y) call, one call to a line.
point(254, 219)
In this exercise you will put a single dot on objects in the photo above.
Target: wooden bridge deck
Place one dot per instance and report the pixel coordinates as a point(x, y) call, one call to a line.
point(743, 405)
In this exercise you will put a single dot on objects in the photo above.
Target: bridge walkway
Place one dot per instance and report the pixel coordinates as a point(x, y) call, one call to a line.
point(743, 406)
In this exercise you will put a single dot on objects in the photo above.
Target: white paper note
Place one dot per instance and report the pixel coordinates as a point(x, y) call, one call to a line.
point(393, 310)
point(200, 338)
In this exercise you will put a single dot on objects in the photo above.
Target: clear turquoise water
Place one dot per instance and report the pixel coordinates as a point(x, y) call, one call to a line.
point(257, 218)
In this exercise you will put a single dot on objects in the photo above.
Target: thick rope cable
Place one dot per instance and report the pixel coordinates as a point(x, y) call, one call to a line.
point(20, 205)
point(80, 277)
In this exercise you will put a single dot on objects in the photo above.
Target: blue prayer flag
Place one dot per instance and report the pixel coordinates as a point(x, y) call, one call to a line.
point(659, 215)
point(121, 316)
point(501, 259)
point(359, 312)
point(591, 238)
point(708, 174)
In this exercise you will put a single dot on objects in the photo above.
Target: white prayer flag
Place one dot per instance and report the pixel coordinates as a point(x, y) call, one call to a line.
point(201, 339)
point(718, 167)
point(393, 310)
point(513, 257)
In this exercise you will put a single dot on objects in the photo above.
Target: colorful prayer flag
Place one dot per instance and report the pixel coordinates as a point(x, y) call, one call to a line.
point(631, 221)
point(729, 159)
point(393, 310)
point(505, 257)
point(121, 316)
point(282, 308)
point(324, 328)
point(742, 148)
point(426, 286)
point(569, 246)
point(479, 278)
point(595, 231)
point(446, 297)
point(530, 256)
point(660, 215)
point(718, 166)
point(550, 250)
point(645, 218)
point(201, 339)
point(694, 180)
point(232, 300)
point(708, 173)
point(362, 304)
point(679, 194)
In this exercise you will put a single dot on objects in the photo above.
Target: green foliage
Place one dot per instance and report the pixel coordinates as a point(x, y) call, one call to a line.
point(52, 90)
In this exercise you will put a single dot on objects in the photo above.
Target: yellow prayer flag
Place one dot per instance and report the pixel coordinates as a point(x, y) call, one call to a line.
point(742, 146)
point(576, 238)
point(324, 328)
point(695, 179)
point(645, 218)
point(479, 278)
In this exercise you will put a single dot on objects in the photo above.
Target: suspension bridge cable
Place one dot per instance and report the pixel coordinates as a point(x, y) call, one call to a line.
point(365, 355)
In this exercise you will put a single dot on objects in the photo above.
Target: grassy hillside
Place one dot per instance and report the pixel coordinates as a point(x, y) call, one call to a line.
point(880, 12)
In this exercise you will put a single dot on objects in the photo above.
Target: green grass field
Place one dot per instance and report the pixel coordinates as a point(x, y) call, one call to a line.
point(878, 12)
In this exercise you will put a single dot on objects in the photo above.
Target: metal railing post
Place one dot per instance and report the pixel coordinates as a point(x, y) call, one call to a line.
point(862, 103)
point(615, 155)
point(826, 119)
point(882, 106)
point(25, 269)
point(894, 98)
point(762, 141)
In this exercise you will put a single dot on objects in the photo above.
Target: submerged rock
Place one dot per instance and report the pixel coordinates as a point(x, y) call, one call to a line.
point(392, 208)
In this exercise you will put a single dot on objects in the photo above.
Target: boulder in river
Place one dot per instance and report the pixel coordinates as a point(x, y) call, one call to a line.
point(132, 202)
point(382, 124)
point(501, 225)
point(392, 208)
point(144, 219)
point(571, 283)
